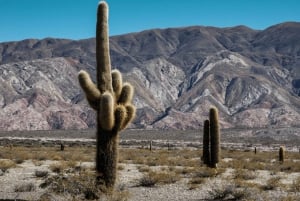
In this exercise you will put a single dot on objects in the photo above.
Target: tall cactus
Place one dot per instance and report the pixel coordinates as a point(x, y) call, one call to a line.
point(111, 98)
point(206, 152)
point(214, 137)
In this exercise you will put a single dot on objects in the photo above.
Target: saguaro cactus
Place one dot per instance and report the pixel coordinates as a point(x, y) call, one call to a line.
point(214, 137)
point(281, 154)
point(206, 152)
point(111, 98)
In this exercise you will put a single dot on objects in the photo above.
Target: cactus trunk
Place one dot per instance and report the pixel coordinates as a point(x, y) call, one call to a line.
point(106, 157)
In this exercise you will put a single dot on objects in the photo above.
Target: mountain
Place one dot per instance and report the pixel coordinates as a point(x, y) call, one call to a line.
point(252, 76)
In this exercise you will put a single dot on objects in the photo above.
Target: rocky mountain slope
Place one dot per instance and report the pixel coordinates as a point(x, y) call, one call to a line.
point(252, 76)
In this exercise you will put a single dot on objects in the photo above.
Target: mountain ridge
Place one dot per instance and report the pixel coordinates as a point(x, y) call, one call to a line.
point(252, 76)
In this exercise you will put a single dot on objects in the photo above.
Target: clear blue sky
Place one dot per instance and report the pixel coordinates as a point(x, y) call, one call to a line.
point(75, 19)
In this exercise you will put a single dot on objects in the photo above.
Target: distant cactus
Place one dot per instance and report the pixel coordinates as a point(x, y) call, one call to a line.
point(214, 137)
point(62, 146)
point(281, 153)
point(211, 139)
point(206, 151)
point(111, 98)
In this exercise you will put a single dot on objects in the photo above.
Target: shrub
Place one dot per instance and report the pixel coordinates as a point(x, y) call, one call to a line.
point(152, 178)
point(244, 174)
point(28, 187)
point(6, 164)
point(41, 173)
point(272, 184)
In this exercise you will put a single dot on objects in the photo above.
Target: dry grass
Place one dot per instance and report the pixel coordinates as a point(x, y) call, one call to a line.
point(48, 153)
point(160, 167)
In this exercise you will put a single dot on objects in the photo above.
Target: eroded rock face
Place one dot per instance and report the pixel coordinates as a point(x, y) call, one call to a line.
point(177, 73)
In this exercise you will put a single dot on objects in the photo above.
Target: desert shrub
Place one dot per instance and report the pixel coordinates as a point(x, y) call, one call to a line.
point(272, 184)
point(144, 168)
point(41, 173)
point(59, 167)
point(27, 187)
point(147, 181)
point(152, 178)
point(227, 192)
point(295, 187)
point(204, 172)
point(19, 160)
point(195, 182)
point(73, 185)
point(6, 164)
point(121, 167)
point(244, 174)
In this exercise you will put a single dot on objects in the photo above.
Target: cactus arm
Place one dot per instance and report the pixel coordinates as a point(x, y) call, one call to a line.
point(130, 111)
point(126, 94)
point(91, 92)
point(106, 111)
point(104, 80)
point(117, 83)
point(120, 116)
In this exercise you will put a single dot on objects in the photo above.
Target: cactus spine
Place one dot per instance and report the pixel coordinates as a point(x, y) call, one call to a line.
point(206, 152)
point(214, 137)
point(111, 98)
point(281, 154)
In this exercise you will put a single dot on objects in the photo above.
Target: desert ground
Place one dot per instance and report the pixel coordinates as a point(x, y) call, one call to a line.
point(33, 166)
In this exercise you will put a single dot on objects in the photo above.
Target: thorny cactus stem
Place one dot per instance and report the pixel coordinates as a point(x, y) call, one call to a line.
point(111, 98)
point(281, 154)
point(214, 137)
point(206, 139)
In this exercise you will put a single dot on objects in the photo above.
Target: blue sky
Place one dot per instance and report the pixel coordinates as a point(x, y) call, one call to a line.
point(75, 19)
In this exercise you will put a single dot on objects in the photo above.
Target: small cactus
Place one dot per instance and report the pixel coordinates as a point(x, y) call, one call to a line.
point(111, 98)
point(211, 139)
point(206, 151)
point(214, 137)
point(281, 154)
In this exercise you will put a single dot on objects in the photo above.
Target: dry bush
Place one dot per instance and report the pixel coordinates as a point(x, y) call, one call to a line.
point(75, 187)
point(244, 174)
point(272, 184)
point(121, 167)
point(227, 192)
point(143, 168)
point(27, 187)
point(41, 173)
point(6, 164)
point(195, 182)
point(59, 167)
point(152, 178)
point(295, 187)
point(205, 172)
